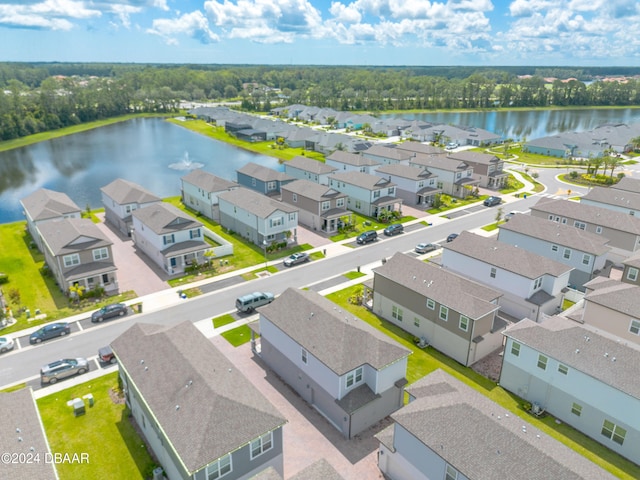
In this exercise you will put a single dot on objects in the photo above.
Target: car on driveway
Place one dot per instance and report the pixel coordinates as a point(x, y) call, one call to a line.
point(110, 311)
point(394, 229)
point(366, 237)
point(452, 237)
point(106, 355)
point(6, 344)
point(67, 367)
point(53, 330)
point(295, 259)
point(426, 247)
point(492, 201)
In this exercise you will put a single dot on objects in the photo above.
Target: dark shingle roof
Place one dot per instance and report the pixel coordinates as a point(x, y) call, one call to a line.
point(124, 191)
point(203, 403)
point(338, 339)
point(419, 148)
point(263, 173)
point(44, 204)
point(164, 218)
point(439, 161)
point(70, 235)
point(254, 202)
point(313, 190)
point(310, 165)
point(208, 181)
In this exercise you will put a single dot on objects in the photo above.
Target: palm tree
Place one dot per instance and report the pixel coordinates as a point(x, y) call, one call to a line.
point(635, 141)
point(614, 162)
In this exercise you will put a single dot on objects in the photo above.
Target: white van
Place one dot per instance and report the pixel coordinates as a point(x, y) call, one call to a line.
point(248, 303)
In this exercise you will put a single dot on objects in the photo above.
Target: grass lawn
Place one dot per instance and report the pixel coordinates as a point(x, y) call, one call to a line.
point(457, 203)
point(363, 223)
point(424, 361)
point(105, 433)
point(255, 273)
point(223, 320)
point(237, 336)
point(354, 275)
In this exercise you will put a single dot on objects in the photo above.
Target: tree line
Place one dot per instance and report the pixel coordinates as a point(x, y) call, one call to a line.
point(41, 97)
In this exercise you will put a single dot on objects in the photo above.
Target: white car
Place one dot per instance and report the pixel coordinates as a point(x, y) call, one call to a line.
point(6, 344)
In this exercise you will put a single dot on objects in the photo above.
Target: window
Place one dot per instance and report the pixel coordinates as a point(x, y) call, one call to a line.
point(450, 473)
point(613, 432)
point(340, 202)
point(271, 185)
point(276, 222)
point(253, 182)
point(566, 254)
point(421, 184)
point(580, 225)
point(563, 369)
point(396, 313)
point(304, 356)
point(515, 349)
point(576, 409)
point(376, 194)
point(542, 362)
point(440, 184)
point(354, 377)
point(431, 305)
point(325, 206)
point(444, 313)
point(358, 204)
point(219, 468)
point(564, 221)
point(261, 445)
point(554, 248)
point(551, 217)
point(168, 239)
point(416, 321)
point(100, 254)
point(586, 259)
point(464, 323)
point(537, 283)
point(391, 191)
point(492, 274)
point(598, 229)
point(292, 217)
point(194, 233)
point(294, 197)
point(632, 274)
point(71, 260)
point(635, 327)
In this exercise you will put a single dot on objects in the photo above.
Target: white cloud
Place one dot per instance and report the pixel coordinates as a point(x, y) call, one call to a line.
point(49, 14)
point(123, 13)
point(345, 13)
point(194, 25)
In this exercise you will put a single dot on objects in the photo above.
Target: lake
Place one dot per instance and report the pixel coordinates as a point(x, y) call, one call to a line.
point(150, 152)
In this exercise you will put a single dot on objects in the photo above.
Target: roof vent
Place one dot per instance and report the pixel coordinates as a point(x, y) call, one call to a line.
point(141, 362)
point(606, 355)
point(18, 430)
point(577, 350)
point(19, 439)
point(177, 407)
point(146, 368)
point(613, 359)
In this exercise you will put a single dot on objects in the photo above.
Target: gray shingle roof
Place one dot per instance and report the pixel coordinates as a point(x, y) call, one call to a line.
point(583, 348)
point(633, 260)
point(405, 171)
point(336, 338)
point(44, 204)
point(312, 190)
point(310, 165)
point(557, 233)
point(255, 202)
point(124, 191)
point(320, 470)
point(71, 235)
point(208, 181)
point(628, 184)
point(450, 289)
point(203, 403)
point(483, 441)
point(363, 180)
point(263, 173)
point(614, 197)
point(505, 256)
point(618, 296)
point(474, 157)
point(421, 148)
point(353, 159)
point(383, 151)
point(439, 161)
point(164, 218)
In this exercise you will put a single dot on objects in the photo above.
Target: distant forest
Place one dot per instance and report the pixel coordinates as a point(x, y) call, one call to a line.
point(37, 97)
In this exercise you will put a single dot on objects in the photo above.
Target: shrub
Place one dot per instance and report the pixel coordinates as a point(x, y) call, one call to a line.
point(573, 174)
point(4, 278)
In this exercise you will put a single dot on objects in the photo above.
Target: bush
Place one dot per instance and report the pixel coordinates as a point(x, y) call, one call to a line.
point(4, 278)
point(573, 174)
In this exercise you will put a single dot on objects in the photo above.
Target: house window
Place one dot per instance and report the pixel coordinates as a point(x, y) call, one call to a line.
point(253, 182)
point(576, 409)
point(598, 229)
point(340, 202)
point(169, 239)
point(376, 194)
point(444, 313)
point(551, 217)
point(458, 175)
point(586, 259)
point(294, 197)
point(271, 185)
point(613, 432)
point(537, 283)
point(564, 221)
point(542, 362)
point(276, 222)
point(632, 274)
point(100, 254)
point(358, 204)
point(416, 321)
point(634, 327)
point(554, 248)
point(580, 225)
point(391, 191)
point(194, 233)
point(450, 473)
point(396, 313)
point(421, 184)
point(261, 445)
point(71, 260)
point(431, 305)
point(219, 468)
point(440, 184)
point(292, 217)
point(325, 206)
point(492, 274)
point(563, 369)
point(515, 349)
point(566, 254)
point(464, 323)
point(355, 377)
point(128, 208)
point(304, 356)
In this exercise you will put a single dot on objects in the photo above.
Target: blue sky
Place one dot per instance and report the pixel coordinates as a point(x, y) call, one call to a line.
point(323, 32)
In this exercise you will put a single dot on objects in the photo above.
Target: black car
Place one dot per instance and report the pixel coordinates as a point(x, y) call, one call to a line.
point(295, 259)
point(452, 237)
point(394, 229)
point(52, 330)
point(492, 201)
point(109, 311)
point(366, 237)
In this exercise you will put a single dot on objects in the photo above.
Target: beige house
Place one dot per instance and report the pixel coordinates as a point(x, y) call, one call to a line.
point(487, 168)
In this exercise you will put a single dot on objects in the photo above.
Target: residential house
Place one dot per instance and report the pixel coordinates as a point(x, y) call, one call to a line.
point(328, 142)
point(586, 252)
point(170, 238)
point(78, 253)
point(631, 268)
point(368, 194)
point(454, 315)
point(45, 205)
point(622, 230)
point(296, 137)
point(451, 431)
point(385, 155)
point(455, 177)
point(122, 197)
point(351, 162)
point(201, 417)
point(200, 191)
point(262, 179)
point(320, 207)
point(582, 376)
point(553, 146)
point(353, 374)
point(260, 219)
point(488, 168)
point(628, 184)
point(305, 168)
point(533, 286)
point(318, 470)
point(419, 148)
point(415, 186)
point(613, 199)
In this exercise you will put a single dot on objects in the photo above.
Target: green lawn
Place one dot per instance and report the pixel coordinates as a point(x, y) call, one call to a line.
point(456, 203)
point(223, 320)
point(363, 223)
point(354, 275)
point(237, 336)
point(105, 433)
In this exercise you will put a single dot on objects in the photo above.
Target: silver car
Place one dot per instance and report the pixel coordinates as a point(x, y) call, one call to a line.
point(6, 344)
point(66, 367)
point(426, 247)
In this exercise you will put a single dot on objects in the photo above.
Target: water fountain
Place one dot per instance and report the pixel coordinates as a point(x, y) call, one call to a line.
point(185, 163)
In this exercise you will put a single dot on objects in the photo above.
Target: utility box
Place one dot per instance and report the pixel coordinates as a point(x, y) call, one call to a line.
point(78, 407)
point(89, 398)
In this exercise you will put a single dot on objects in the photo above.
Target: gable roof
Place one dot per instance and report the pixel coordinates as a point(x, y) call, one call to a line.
point(405, 171)
point(353, 159)
point(439, 161)
point(363, 180)
point(208, 181)
point(319, 470)
point(465, 296)
point(72, 235)
point(628, 184)
point(614, 197)
point(336, 338)
point(200, 400)
point(310, 165)
point(619, 296)
point(164, 218)
point(421, 148)
point(312, 190)
point(45, 204)
point(262, 173)
point(380, 150)
point(254, 202)
point(474, 157)
point(124, 191)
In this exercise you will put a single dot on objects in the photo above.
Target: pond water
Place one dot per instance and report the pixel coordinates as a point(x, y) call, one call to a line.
point(150, 152)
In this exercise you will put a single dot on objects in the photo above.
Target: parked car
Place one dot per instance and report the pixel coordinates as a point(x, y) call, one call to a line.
point(6, 344)
point(106, 355)
point(110, 311)
point(452, 145)
point(54, 371)
point(47, 332)
point(492, 201)
point(394, 229)
point(295, 259)
point(426, 247)
point(452, 237)
point(510, 215)
point(366, 237)
point(248, 303)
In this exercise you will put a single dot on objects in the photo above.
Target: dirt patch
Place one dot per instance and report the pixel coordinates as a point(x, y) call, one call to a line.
point(117, 396)
point(490, 366)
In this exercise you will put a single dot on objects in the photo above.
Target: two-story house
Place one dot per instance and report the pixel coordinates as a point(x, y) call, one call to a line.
point(347, 370)
point(170, 238)
point(586, 252)
point(631, 269)
point(200, 191)
point(455, 177)
point(351, 162)
point(613, 199)
point(487, 168)
point(451, 431)
point(385, 155)
point(120, 198)
point(45, 205)
point(419, 148)
point(201, 417)
point(582, 376)
point(305, 168)
point(262, 179)
point(454, 315)
point(79, 253)
point(533, 286)
point(367, 194)
point(260, 219)
point(415, 186)
point(320, 207)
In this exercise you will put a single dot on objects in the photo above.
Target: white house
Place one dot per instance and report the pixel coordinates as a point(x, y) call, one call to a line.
point(305, 168)
point(455, 177)
point(351, 162)
point(368, 194)
point(388, 155)
point(200, 191)
point(120, 198)
point(416, 186)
